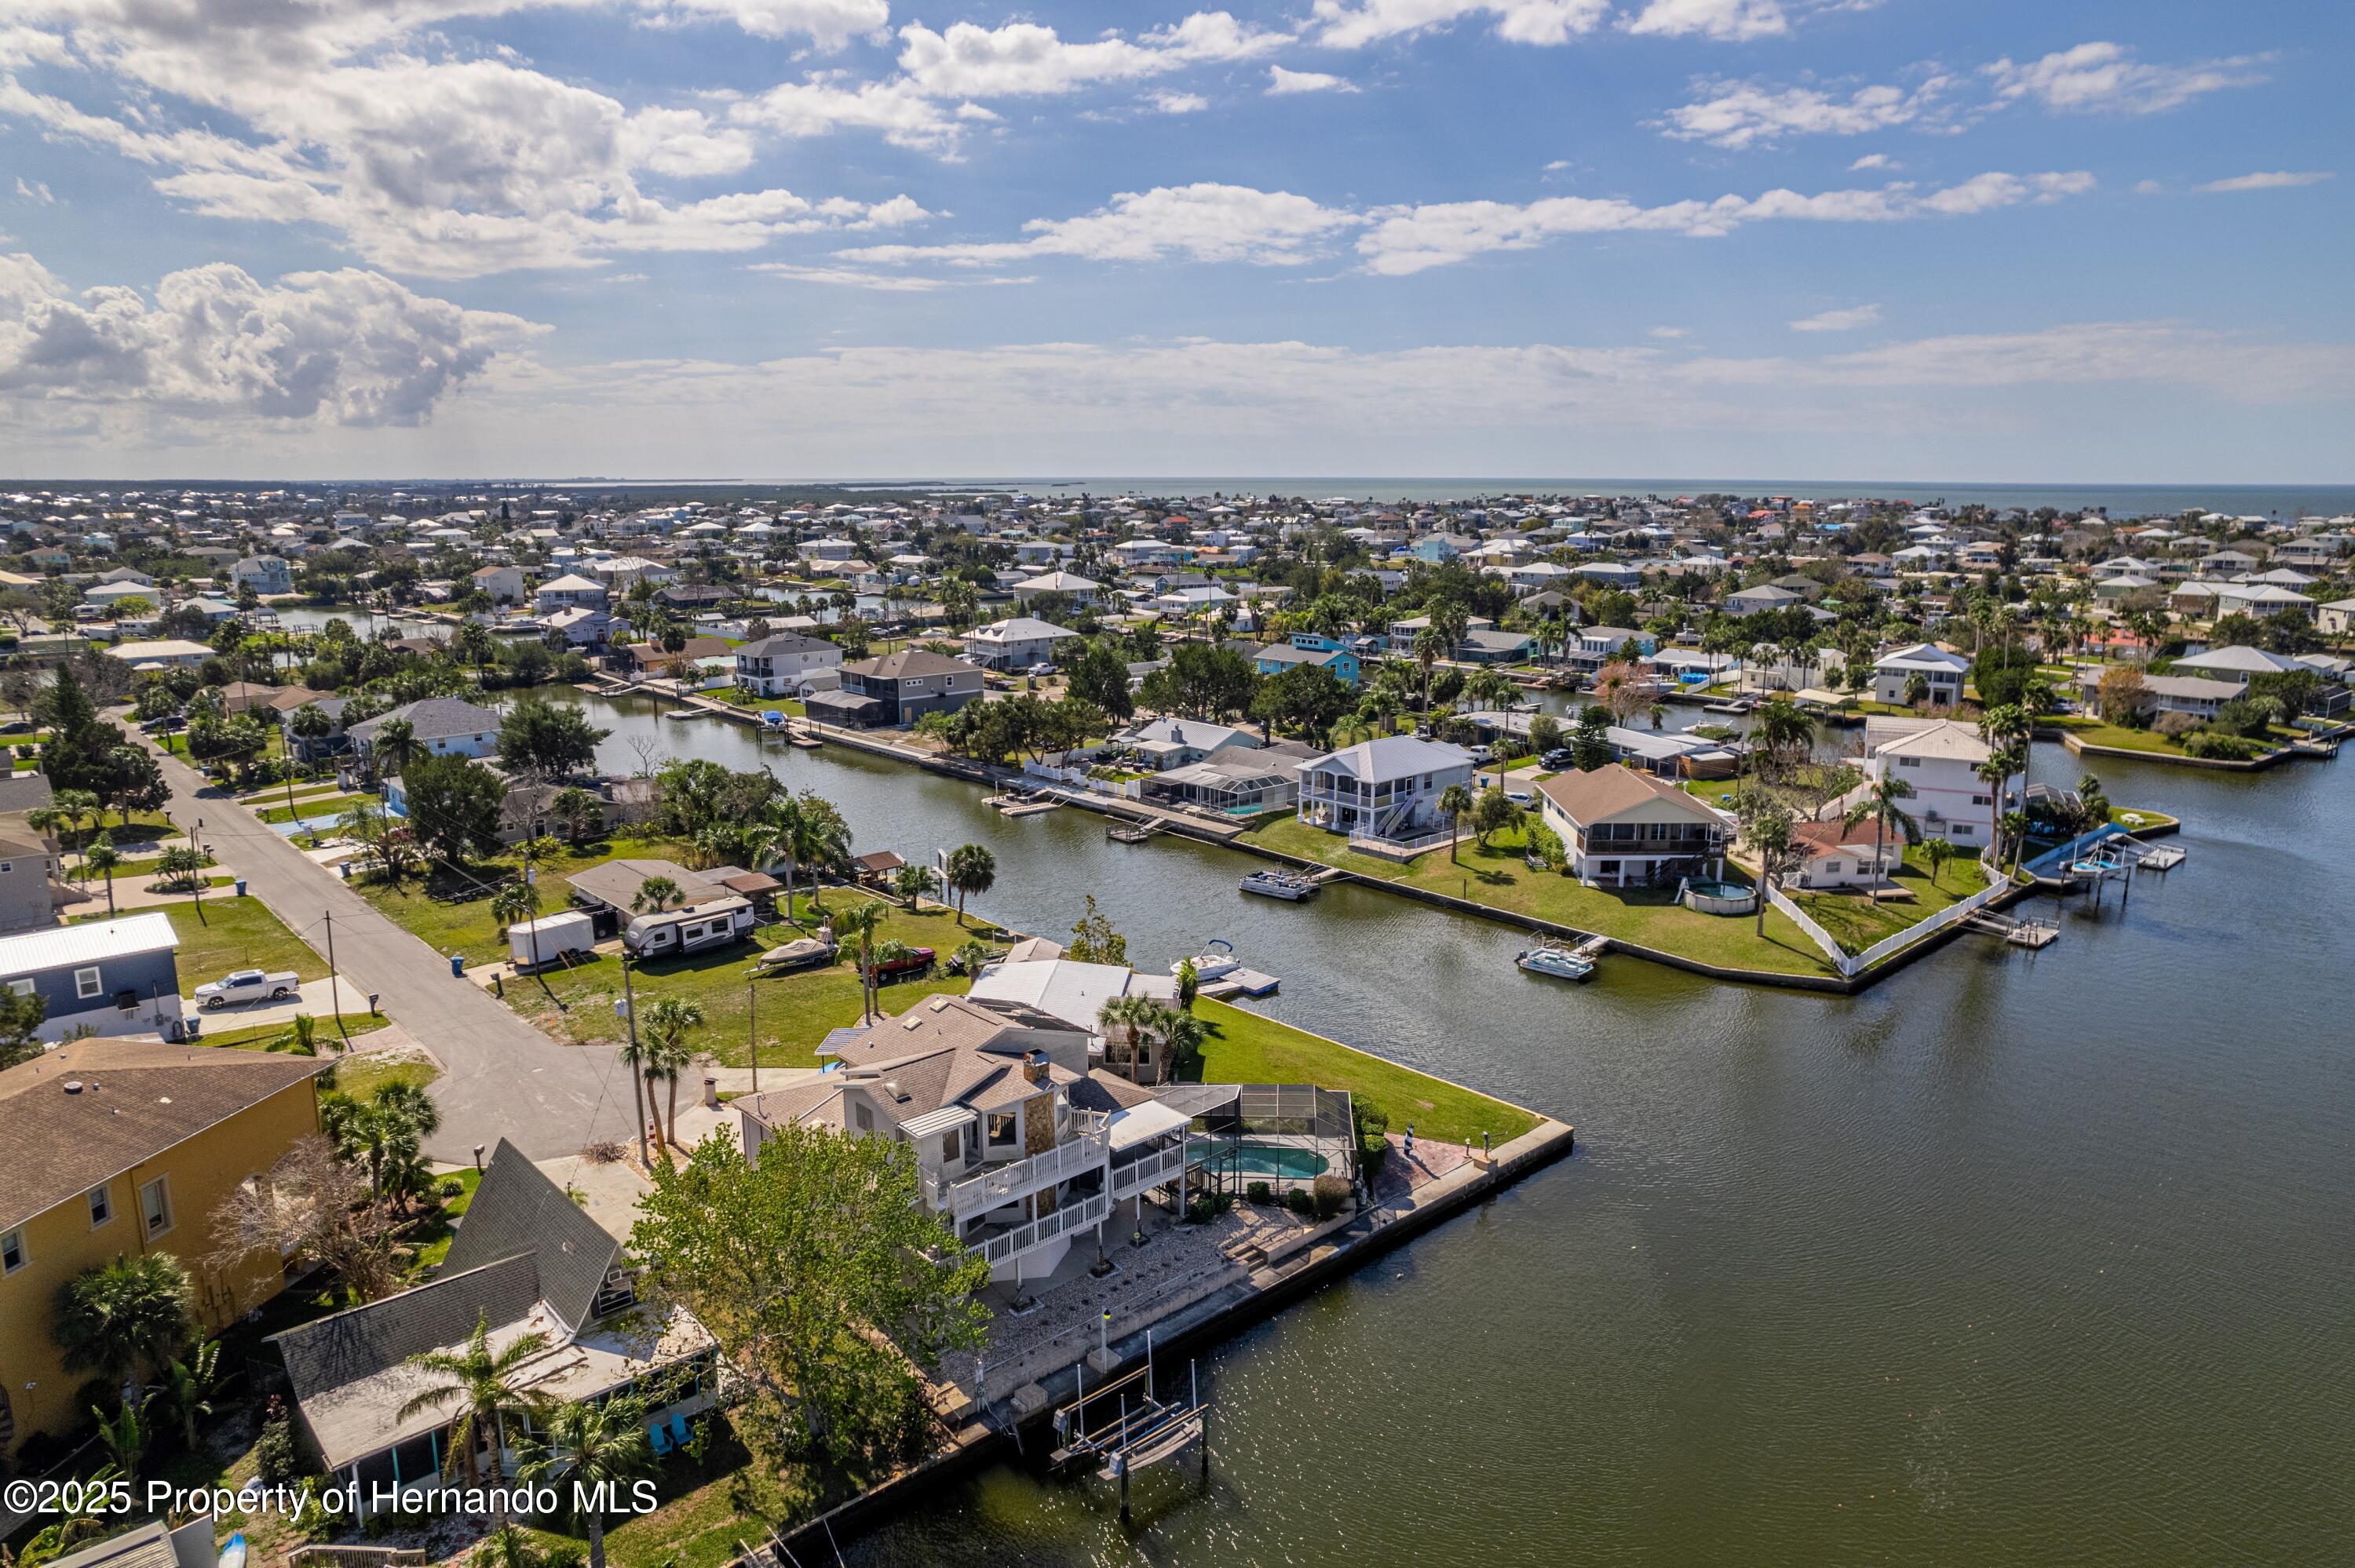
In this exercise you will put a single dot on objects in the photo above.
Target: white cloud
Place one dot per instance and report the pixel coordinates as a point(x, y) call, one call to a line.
point(2107, 78)
point(1670, 333)
point(39, 194)
point(829, 23)
point(2071, 355)
point(884, 282)
point(1743, 115)
point(1873, 160)
point(1281, 82)
point(348, 347)
point(1985, 193)
point(1848, 319)
point(1344, 25)
point(1169, 102)
point(829, 101)
point(1023, 58)
point(2279, 179)
point(1203, 222)
point(1735, 20)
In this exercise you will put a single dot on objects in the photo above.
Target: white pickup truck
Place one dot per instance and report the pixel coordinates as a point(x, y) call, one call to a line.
point(247, 985)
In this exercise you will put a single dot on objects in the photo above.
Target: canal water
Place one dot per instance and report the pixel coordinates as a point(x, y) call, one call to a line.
point(2014, 1259)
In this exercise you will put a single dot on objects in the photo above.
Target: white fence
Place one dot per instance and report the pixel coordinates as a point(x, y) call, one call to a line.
point(1850, 965)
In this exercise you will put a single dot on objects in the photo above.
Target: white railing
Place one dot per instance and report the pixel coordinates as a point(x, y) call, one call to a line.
point(1046, 1228)
point(1851, 964)
point(1008, 1183)
point(1151, 1170)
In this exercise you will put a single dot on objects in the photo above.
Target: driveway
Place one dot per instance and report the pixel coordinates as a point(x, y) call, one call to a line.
point(316, 998)
point(504, 1078)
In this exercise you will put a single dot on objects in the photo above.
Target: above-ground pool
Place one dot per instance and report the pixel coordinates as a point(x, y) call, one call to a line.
point(1718, 898)
point(1252, 1158)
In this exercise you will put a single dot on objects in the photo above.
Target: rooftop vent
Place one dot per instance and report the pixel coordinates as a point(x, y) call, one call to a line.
point(73, 1086)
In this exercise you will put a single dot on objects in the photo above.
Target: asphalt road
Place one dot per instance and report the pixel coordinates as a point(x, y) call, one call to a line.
point(504, 1078)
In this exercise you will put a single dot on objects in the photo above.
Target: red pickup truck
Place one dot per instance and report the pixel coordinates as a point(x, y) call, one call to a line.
point(916, 961)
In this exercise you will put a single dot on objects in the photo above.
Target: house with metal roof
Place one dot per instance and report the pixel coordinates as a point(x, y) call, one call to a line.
point(1387, 788)
point(118, 977)
point(528, 1262)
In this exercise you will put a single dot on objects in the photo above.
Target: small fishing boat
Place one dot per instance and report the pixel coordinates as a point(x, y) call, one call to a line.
point(1287, 885)
point(682, 714)
point(1216, 959)
point(795, 955)
point(1559, 963)
point(232, 1552)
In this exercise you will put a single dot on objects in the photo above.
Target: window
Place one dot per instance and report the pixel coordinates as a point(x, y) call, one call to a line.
point(1909, 762)
point(866, 1118)
point(1831, 867)
point(86, 984)
point(952, 1145)
point(21, 987)
point(6, 866)
point(11, 1251)
point(1003, 1127)
point(101, 1207)
point(155, 1207)
point(1982, 800)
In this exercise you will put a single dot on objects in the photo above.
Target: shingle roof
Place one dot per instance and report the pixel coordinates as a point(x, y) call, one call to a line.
point(1607, 792)
point(137, 1100)
point(517, 1210)
point(910, 662)
point(433, 718)
point(362, 1342)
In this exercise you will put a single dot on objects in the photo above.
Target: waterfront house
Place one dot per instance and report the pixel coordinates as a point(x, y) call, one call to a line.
point(2235, 664)
point(1312, 649)
point(780, 664)
point(1937, 760)
point(501, 585)
point(570, 591)
point(903, 686)
point(1595, 646)
point(1016, 643)
point(1620, 828)
point(1076, 993)
point(1943, 672)
point(1020, 1147)
point(114, 977)
point(1832, 855)
point(263, 574)
point(123, 1147)
point(447, 726)
point(1238, 781)
point(526, 1259)
point(1167, 743)
point(1385, 788)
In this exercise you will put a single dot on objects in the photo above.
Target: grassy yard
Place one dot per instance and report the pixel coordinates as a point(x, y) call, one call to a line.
point(356, 1023)
point(1246, 1048)
point(795, 1011)
point(1500, 878)
point(432, 1239)
point(1855, 923)
point(232, 933)
point(452, 912)
point(330, 805)
point(711, 1511)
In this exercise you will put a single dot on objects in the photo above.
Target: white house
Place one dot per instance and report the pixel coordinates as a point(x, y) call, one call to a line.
point(781, 665)
point(1936, 759)
point(1828, 854)
point(570, 591)
point(447, 726)
point(1081, 591)
point(263, 574)
point(1893, 672)
point(1623, 829)
point(1383, 789)
point(1014, 644)
point(501, 585)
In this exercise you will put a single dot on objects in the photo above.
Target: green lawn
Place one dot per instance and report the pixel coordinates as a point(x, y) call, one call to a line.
point(433, 1237)
point(2094, 732)
point(1500, 878)
point(795, 1011)
point(329, 805)
point(452, 912)
point(356, 1023)
point(1247, 1048)
point(1855, 923)
point(232, 933)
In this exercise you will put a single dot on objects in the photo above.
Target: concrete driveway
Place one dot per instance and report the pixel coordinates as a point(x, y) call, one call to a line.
point(314, 997)
point(504, 1078)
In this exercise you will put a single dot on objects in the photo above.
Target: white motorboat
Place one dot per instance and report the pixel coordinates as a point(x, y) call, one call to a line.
point(1290, 887)
point(1216, 961)
point(1559, 963)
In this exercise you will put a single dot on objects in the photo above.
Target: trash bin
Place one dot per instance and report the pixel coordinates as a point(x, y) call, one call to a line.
point(240, 887)
point(458, 966)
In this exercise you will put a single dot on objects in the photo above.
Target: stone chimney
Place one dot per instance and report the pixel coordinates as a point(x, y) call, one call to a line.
point(1034, 1065)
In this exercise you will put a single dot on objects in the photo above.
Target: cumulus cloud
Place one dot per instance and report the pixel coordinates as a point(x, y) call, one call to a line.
point(1873, 160)
point(2105, 78)
point(1026, 59)
point(1167, 102)
point(349, 347)
point(2279, 179)
point(1342, 24)
point(882, 282)
point(829, 101)
point(1735, 20)
point(828, 24)
point(1201, 222)
point(1743, 114)
point(1281, 82)
point(1847, 320)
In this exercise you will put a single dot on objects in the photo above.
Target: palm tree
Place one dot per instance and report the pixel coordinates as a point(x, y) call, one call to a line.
point(595, 1449)
point(970, 955)
point(386, 1133)
point(1456, 803)
point(481, 1383)
point(103, 857)
point(1880, 806)
point(1769, 832)
point(1130, 1015)
point(1781, 728)
point(913, 882)
point(396, 746)
point(188, 1384)
point(859, 928)
point(117, 1318)
point(1937, 852)
point(125, 1437)
point(972, 869)
point(654, 895)
point(301, 1036)
point(578, 811)
point(667, 1022)
point(513, 904)
point(1996, 774)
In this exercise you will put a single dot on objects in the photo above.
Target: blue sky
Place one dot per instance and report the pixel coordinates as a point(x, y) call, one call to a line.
point(837, 237)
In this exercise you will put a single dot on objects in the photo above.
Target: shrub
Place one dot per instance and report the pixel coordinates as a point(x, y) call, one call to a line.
point(2172, 725)
point(274, 1454)
point(1259, 1193)
point(449, 1187)
point(1299, 1202)
point(1373, 1144)
point(2215, 744)
point(1328, 1194)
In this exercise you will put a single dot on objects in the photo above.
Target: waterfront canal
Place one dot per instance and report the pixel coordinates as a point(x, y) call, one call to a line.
point(2009, 1260)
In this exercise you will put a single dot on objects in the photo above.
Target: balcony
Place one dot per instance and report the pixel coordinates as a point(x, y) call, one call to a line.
point(1149, 1170)
point(996, 1249)
point(1003, 1184)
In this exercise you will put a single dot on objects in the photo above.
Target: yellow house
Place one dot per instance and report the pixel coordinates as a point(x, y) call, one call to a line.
point(114, 1147)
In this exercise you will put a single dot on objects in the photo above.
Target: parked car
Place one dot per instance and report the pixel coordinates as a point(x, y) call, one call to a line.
point(242, 986)
point(1557, 759)
point(915, 961)
point(1521, 797)
point(1484, 754)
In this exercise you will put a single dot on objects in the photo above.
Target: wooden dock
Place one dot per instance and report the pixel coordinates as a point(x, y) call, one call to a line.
point(1240, 982)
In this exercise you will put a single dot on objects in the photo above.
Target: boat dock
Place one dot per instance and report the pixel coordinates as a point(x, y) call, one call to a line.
point(1021, 805)
point(1239, 982)
point(2033, 935)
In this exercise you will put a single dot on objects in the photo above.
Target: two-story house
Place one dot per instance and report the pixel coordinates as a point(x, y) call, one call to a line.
point(1937, 760)
point(263, 574)
point(1942, 673)
point(570, 591)
point(1017, 642)
point(124, 1147)
point(779, 665)
point(1019, 1146)
point(1384, 788)
point(447, 726)
point(1620, 828)
point(499, 584)
point(897, 689)
point(1312, 649)
point(1082, 592)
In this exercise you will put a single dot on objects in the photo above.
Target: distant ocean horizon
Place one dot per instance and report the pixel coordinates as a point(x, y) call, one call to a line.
point(2286, 500)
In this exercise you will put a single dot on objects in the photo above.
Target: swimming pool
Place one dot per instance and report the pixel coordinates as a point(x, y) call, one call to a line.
point(1252, 1158)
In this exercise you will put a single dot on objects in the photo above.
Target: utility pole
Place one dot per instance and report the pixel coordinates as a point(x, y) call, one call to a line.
point(197, 877)
point(752, 1030)
point(637, 1088)
point(335, 988)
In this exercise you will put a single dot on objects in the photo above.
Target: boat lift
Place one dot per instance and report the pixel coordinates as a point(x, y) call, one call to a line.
point(1145, 1429)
